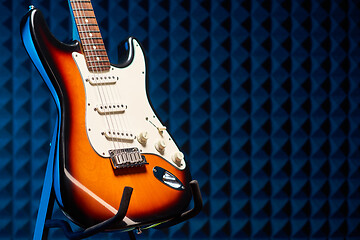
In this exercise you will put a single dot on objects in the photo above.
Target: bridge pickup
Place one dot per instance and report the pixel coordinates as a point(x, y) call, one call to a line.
point(106, 80)
point(110, 108)
point(114, 135)
point(126, 158)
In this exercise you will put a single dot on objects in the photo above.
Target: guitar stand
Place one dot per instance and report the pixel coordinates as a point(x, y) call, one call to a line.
point(44, 221)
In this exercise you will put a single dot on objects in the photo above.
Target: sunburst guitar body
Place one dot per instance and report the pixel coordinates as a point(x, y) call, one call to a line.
point(109, 136)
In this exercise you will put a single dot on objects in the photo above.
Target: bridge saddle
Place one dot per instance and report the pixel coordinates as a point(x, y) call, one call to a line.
point(126, 157)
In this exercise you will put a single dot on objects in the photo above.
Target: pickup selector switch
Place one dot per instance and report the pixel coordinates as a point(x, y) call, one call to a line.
point(160, 145)
point(177, 158)
point(143, 137)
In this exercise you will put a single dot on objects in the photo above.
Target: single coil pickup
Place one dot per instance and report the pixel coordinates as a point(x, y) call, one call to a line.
point(110, 108)
point(114, 135)
point(126, 157)
point(105, 80)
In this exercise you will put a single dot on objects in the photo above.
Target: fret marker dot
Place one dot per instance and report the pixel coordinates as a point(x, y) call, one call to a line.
point(97, 58)
point(94, 47)
point(86, 20)
point(90, 34)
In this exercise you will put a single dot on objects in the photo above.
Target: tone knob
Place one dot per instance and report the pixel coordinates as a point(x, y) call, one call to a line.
point(143, 137)
point(177, 158)
point(160, 145)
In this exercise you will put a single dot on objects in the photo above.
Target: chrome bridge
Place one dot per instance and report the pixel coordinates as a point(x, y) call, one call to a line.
point(126, 157)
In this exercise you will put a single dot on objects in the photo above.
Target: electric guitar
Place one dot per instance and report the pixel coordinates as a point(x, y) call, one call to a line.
point(109, 135)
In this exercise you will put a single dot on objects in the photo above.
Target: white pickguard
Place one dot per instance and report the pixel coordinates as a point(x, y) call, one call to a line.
point(126, 87)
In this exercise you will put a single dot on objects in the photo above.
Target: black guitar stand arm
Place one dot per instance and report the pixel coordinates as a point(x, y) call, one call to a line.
point(124, 204)
point(198, 204)
point(44, 221)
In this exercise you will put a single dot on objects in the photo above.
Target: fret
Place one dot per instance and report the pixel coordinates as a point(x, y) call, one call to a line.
point(85, 17)
point(94, 34)
point(84, 14)
point(95, 54)
point(82, 9)
point(100, 56)
point(98, 65)
point(91, 38)
point(86, 24)
point(92, 44)
point(94, 50)
point(80, 1)
point(82, 5)
point(91, 69)
point(96, 68)
point(97, 58)
point(97, 61)
point(90, 27)
point(86, 32)
point(88, 49)
point(89, 42)
point(86, 21)
point(90, 31)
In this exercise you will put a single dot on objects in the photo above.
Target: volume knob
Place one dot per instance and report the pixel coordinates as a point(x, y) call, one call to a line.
point(177, 158)
point(143, 137)
point(160, 145)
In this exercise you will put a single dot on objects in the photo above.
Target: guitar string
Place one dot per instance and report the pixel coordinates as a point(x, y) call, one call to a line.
point(102, 102)
point(104, 87)
point(122, 118)
point(82, 20)
point(109, 100)
point(118, 118)
point(116, 94)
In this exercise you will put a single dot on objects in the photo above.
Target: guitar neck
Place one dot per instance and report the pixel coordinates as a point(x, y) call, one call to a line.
point(93, 46)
